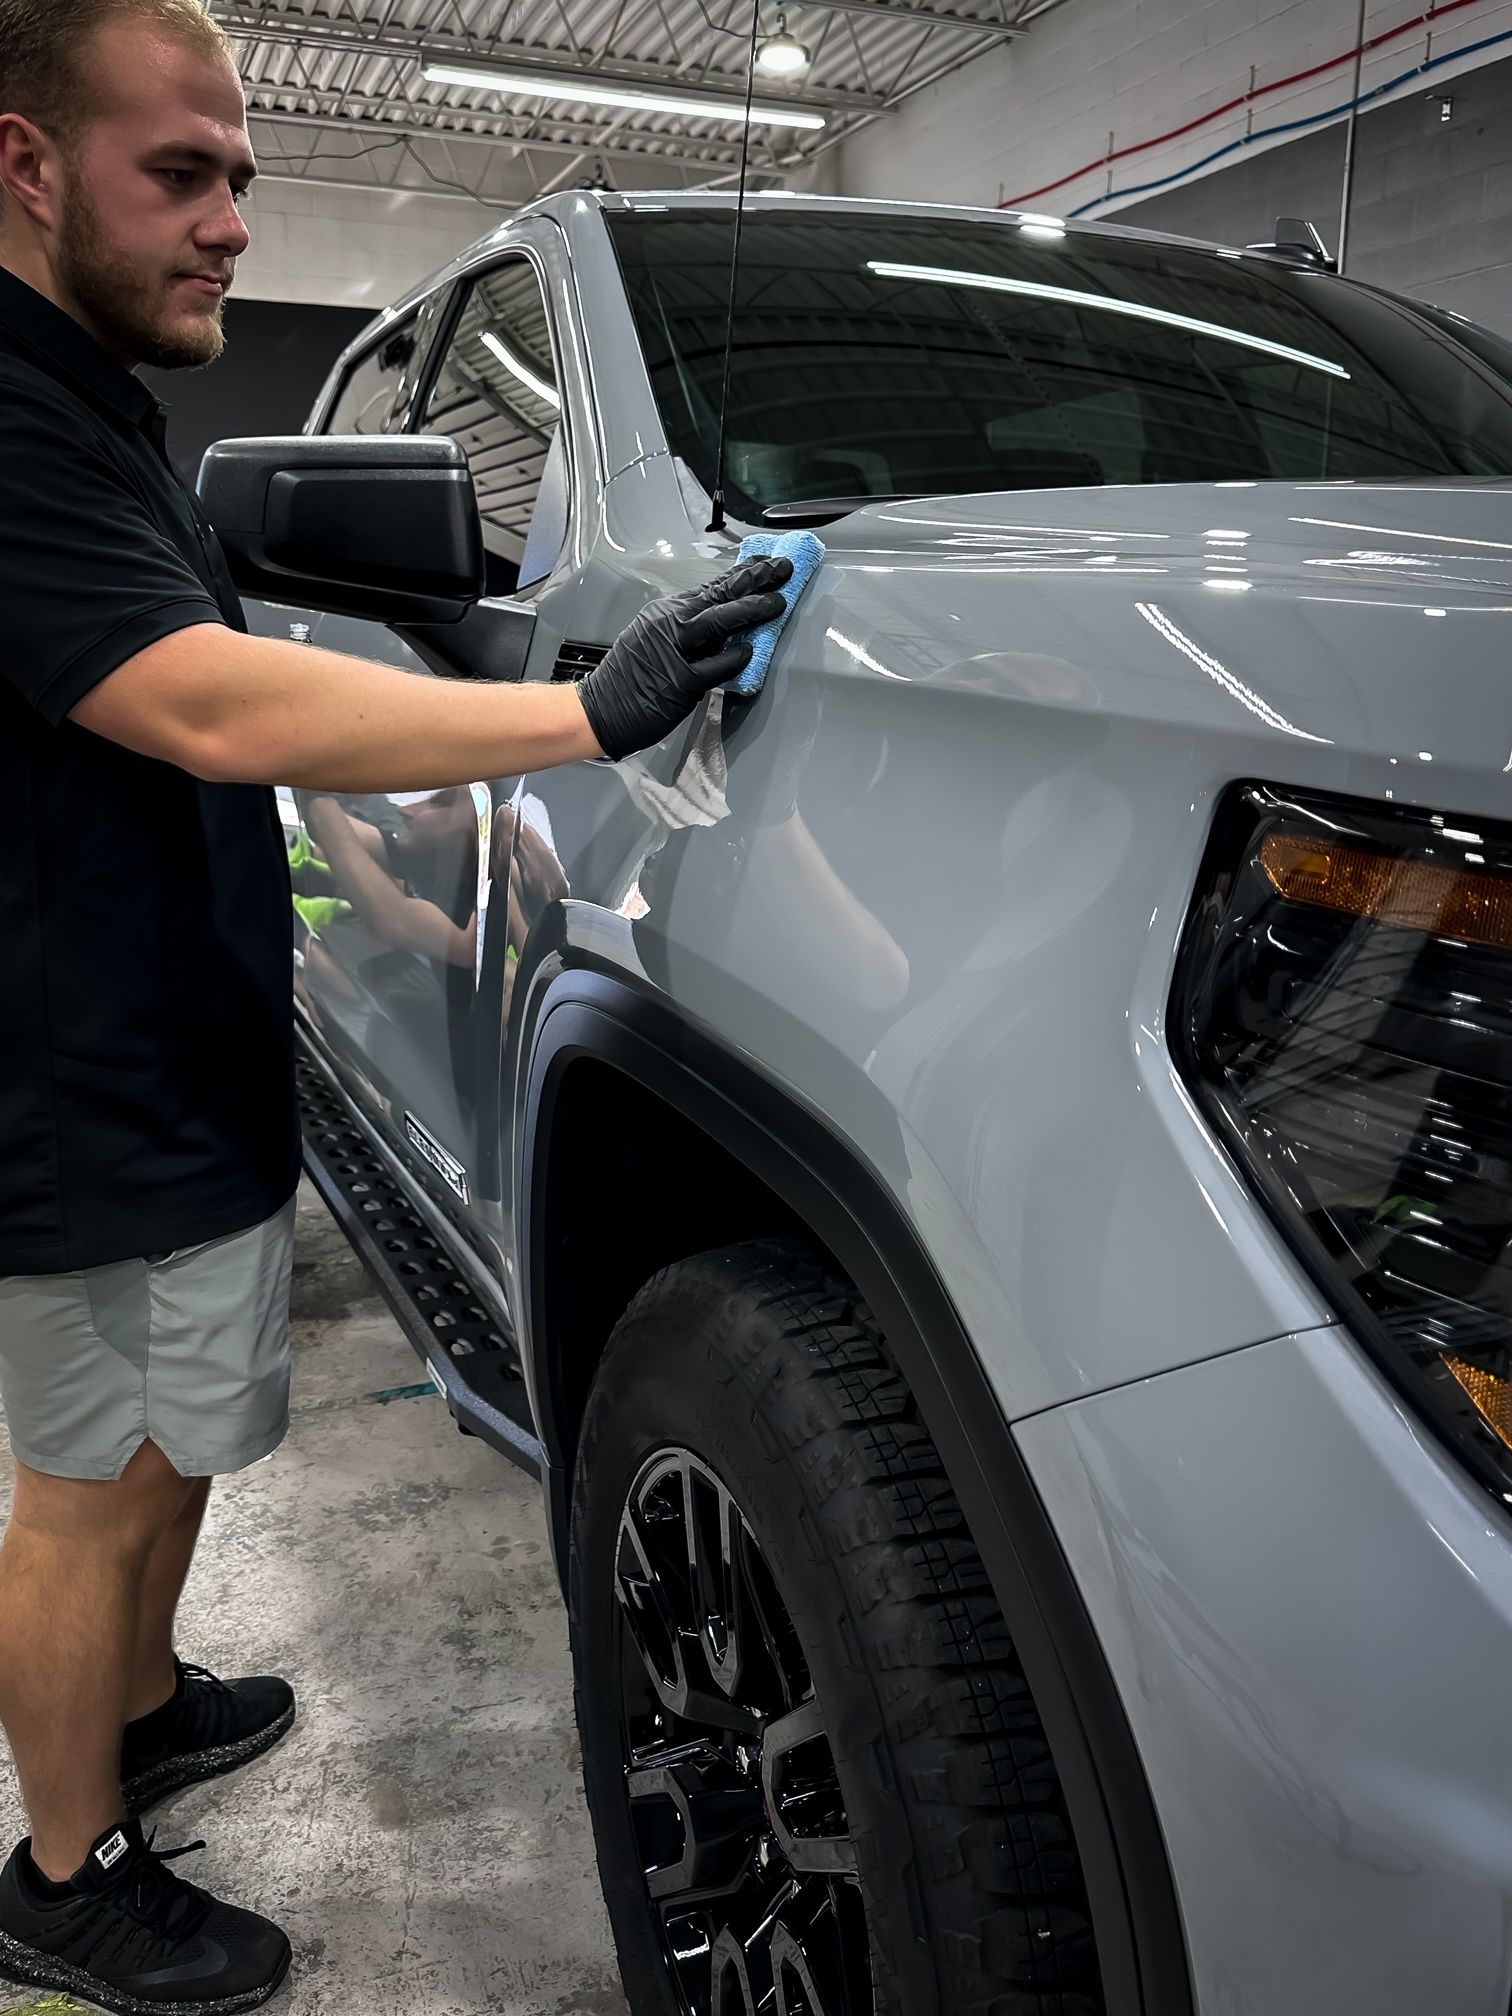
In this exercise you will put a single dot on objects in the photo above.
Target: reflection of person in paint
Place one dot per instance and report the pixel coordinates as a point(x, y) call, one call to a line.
point(826, 926)
point(522, 845)
point(407, 909)
point(799, 893)
point(414, 885)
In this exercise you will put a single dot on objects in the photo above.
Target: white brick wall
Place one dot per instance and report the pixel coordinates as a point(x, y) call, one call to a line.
point(1037, 108)
point(362, 248)
point(350, 248)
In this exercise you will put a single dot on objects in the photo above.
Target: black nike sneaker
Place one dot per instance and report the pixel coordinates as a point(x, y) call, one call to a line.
point(210, 1727)
point(130, 1936)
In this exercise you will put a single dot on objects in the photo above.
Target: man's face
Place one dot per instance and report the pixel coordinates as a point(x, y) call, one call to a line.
point(148, 230)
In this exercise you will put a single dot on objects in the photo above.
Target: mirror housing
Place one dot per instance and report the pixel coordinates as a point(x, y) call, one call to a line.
point(383, 525)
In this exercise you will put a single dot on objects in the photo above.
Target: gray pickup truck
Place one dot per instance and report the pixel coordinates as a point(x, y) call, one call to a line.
point(981, 1179)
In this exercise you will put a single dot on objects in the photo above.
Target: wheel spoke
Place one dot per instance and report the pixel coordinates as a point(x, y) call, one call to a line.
point(730, 1775)
point(761, 1607)
point(803, 1794)
point(797, 1991)
point(714, 1526)
point(719, 1814)
point(646, 1607)
point(733, 1991)
point(664, 1643)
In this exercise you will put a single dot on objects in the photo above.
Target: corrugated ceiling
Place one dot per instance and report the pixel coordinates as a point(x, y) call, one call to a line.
point(343, 80)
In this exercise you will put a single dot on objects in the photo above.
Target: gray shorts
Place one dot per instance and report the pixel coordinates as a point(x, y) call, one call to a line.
point(188, 1350)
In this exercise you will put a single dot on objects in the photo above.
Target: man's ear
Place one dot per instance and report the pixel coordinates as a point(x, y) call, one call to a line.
point(30, 170)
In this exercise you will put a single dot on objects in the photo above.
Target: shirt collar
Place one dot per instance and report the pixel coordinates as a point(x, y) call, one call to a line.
point(57, 344)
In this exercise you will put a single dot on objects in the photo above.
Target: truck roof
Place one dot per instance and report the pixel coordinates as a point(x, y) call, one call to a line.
point(565, 203)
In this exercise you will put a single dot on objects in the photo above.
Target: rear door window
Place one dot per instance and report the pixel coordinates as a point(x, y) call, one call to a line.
point(369, 399)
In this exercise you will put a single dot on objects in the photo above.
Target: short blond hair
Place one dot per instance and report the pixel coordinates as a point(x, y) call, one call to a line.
point(45, 45)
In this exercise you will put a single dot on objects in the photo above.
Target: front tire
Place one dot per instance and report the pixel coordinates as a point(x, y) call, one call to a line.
point(818, 1781)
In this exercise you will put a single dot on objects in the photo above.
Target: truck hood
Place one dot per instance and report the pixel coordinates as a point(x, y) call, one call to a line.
point(1360, 633)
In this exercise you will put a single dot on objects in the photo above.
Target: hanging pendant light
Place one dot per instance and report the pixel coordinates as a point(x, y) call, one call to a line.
point(782, 54)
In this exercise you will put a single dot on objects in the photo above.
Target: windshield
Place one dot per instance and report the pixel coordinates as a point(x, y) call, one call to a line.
point(909, 356)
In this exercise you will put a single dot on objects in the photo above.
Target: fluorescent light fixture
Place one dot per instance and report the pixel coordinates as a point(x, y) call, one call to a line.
point(518, 368)
point(947, 276)
point(1037, 225)
point(584, 91)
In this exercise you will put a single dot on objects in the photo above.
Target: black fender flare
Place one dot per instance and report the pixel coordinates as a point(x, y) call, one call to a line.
point(587, 1013)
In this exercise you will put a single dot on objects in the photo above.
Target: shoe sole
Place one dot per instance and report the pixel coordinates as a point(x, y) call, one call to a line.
point(149, 1788)
point(32, 1969)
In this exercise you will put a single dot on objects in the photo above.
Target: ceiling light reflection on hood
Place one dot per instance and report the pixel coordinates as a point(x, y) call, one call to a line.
point(1158, 621)
point(947, 276)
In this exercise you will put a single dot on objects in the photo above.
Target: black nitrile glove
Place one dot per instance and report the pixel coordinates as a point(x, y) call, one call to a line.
point(675, 652)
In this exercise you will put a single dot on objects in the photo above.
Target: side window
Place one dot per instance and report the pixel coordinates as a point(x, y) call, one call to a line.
point(366, 401)
point(496, 396)
point(432, 315)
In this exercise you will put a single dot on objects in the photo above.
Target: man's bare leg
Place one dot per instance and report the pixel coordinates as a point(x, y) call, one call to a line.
point(153, 1676)
point(71, 1577)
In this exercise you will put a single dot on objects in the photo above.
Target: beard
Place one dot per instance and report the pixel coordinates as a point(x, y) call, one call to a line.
point(130, 310)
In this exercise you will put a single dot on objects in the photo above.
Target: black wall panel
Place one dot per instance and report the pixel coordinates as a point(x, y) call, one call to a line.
point(276, 359)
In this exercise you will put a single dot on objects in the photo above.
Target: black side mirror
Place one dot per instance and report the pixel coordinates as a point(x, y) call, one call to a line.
point(383, 526)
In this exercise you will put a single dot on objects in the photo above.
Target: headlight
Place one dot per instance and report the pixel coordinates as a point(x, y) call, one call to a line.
point(1343, 1010)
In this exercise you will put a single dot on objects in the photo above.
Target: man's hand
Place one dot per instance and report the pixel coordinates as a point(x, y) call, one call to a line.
point(675, 652)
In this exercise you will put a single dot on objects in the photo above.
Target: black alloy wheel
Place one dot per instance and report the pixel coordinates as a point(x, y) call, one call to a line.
point(735, 1797)
point(818, 1779)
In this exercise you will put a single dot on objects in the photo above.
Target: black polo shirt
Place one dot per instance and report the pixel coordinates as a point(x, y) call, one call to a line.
point(146, 1009)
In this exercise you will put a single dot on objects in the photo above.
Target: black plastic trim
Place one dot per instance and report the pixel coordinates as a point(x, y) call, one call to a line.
point(335, 1136)
point(576, 661)
point(430, 368)
point(792, 1149)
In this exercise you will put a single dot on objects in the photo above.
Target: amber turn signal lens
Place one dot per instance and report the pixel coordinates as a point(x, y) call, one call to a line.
point(1457, 903)
point(1492, 1396)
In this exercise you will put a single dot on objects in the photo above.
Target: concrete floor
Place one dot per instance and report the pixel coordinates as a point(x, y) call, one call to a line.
point(421, 1834)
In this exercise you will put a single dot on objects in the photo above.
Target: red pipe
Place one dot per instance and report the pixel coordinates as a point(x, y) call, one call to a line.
point(1425, 19)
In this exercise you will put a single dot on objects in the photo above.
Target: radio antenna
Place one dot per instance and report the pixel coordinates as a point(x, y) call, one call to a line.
point(717, 514)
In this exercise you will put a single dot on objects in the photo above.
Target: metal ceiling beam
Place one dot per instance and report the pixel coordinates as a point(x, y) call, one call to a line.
point(505, 205)
point(365, 132)
point(938, 17)
point(244, 17)
point(290, 31)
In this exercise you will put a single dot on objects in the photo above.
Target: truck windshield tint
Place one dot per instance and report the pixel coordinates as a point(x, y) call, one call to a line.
point(896, 355)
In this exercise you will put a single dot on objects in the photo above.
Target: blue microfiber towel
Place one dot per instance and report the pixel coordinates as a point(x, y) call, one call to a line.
point(805, 552)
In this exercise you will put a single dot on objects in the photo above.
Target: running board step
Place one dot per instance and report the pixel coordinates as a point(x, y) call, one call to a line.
point(468, 1357)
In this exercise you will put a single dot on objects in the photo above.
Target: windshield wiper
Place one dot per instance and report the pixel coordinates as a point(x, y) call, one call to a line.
point(825, 510)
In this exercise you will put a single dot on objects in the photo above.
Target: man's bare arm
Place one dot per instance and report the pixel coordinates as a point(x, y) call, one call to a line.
point(255, 710)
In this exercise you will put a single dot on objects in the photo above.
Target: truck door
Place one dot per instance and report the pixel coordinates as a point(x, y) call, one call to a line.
point(377, 387)
point(409, 963)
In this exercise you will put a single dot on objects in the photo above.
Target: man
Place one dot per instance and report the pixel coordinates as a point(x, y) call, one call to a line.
point(148, 1142)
